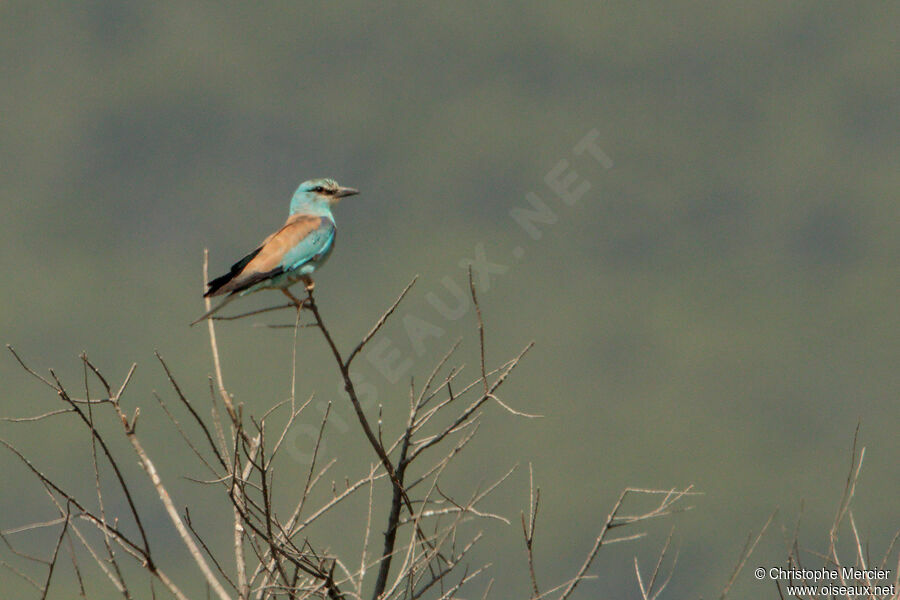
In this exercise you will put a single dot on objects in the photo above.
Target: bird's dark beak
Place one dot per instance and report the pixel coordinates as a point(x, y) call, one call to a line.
point(343, 192)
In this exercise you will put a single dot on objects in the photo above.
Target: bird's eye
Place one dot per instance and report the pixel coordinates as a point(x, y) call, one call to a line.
point(318, 189)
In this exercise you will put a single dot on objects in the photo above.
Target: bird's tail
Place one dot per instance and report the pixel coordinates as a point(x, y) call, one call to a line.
point(213, 310)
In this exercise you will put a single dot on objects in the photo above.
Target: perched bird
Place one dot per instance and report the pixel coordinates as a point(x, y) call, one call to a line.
point(292, 253)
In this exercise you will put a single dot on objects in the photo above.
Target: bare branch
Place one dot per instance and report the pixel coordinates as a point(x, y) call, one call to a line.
point(534, 501)
point(745, 554)
point(40, 417)
point(254, 312)
point(59, 541)
point(191, 410)
point(614, 520)
point(381, 321)
point(166, 500)
point(226, 398)
point(856, 462)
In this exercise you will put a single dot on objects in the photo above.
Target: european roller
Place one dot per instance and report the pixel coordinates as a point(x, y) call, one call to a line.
point(292, 253)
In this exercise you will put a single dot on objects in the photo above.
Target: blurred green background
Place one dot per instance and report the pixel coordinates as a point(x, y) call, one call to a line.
point(719, 309)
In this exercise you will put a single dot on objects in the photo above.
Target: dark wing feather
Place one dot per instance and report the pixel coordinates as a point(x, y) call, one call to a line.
point(219, 282)
point(236, 285)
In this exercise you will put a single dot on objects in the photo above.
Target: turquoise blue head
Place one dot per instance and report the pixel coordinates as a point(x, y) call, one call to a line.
point(317, 196)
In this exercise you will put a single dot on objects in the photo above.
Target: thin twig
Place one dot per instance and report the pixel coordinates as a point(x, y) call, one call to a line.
point(378, 325)
point(745, 555)
point(534, 500)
